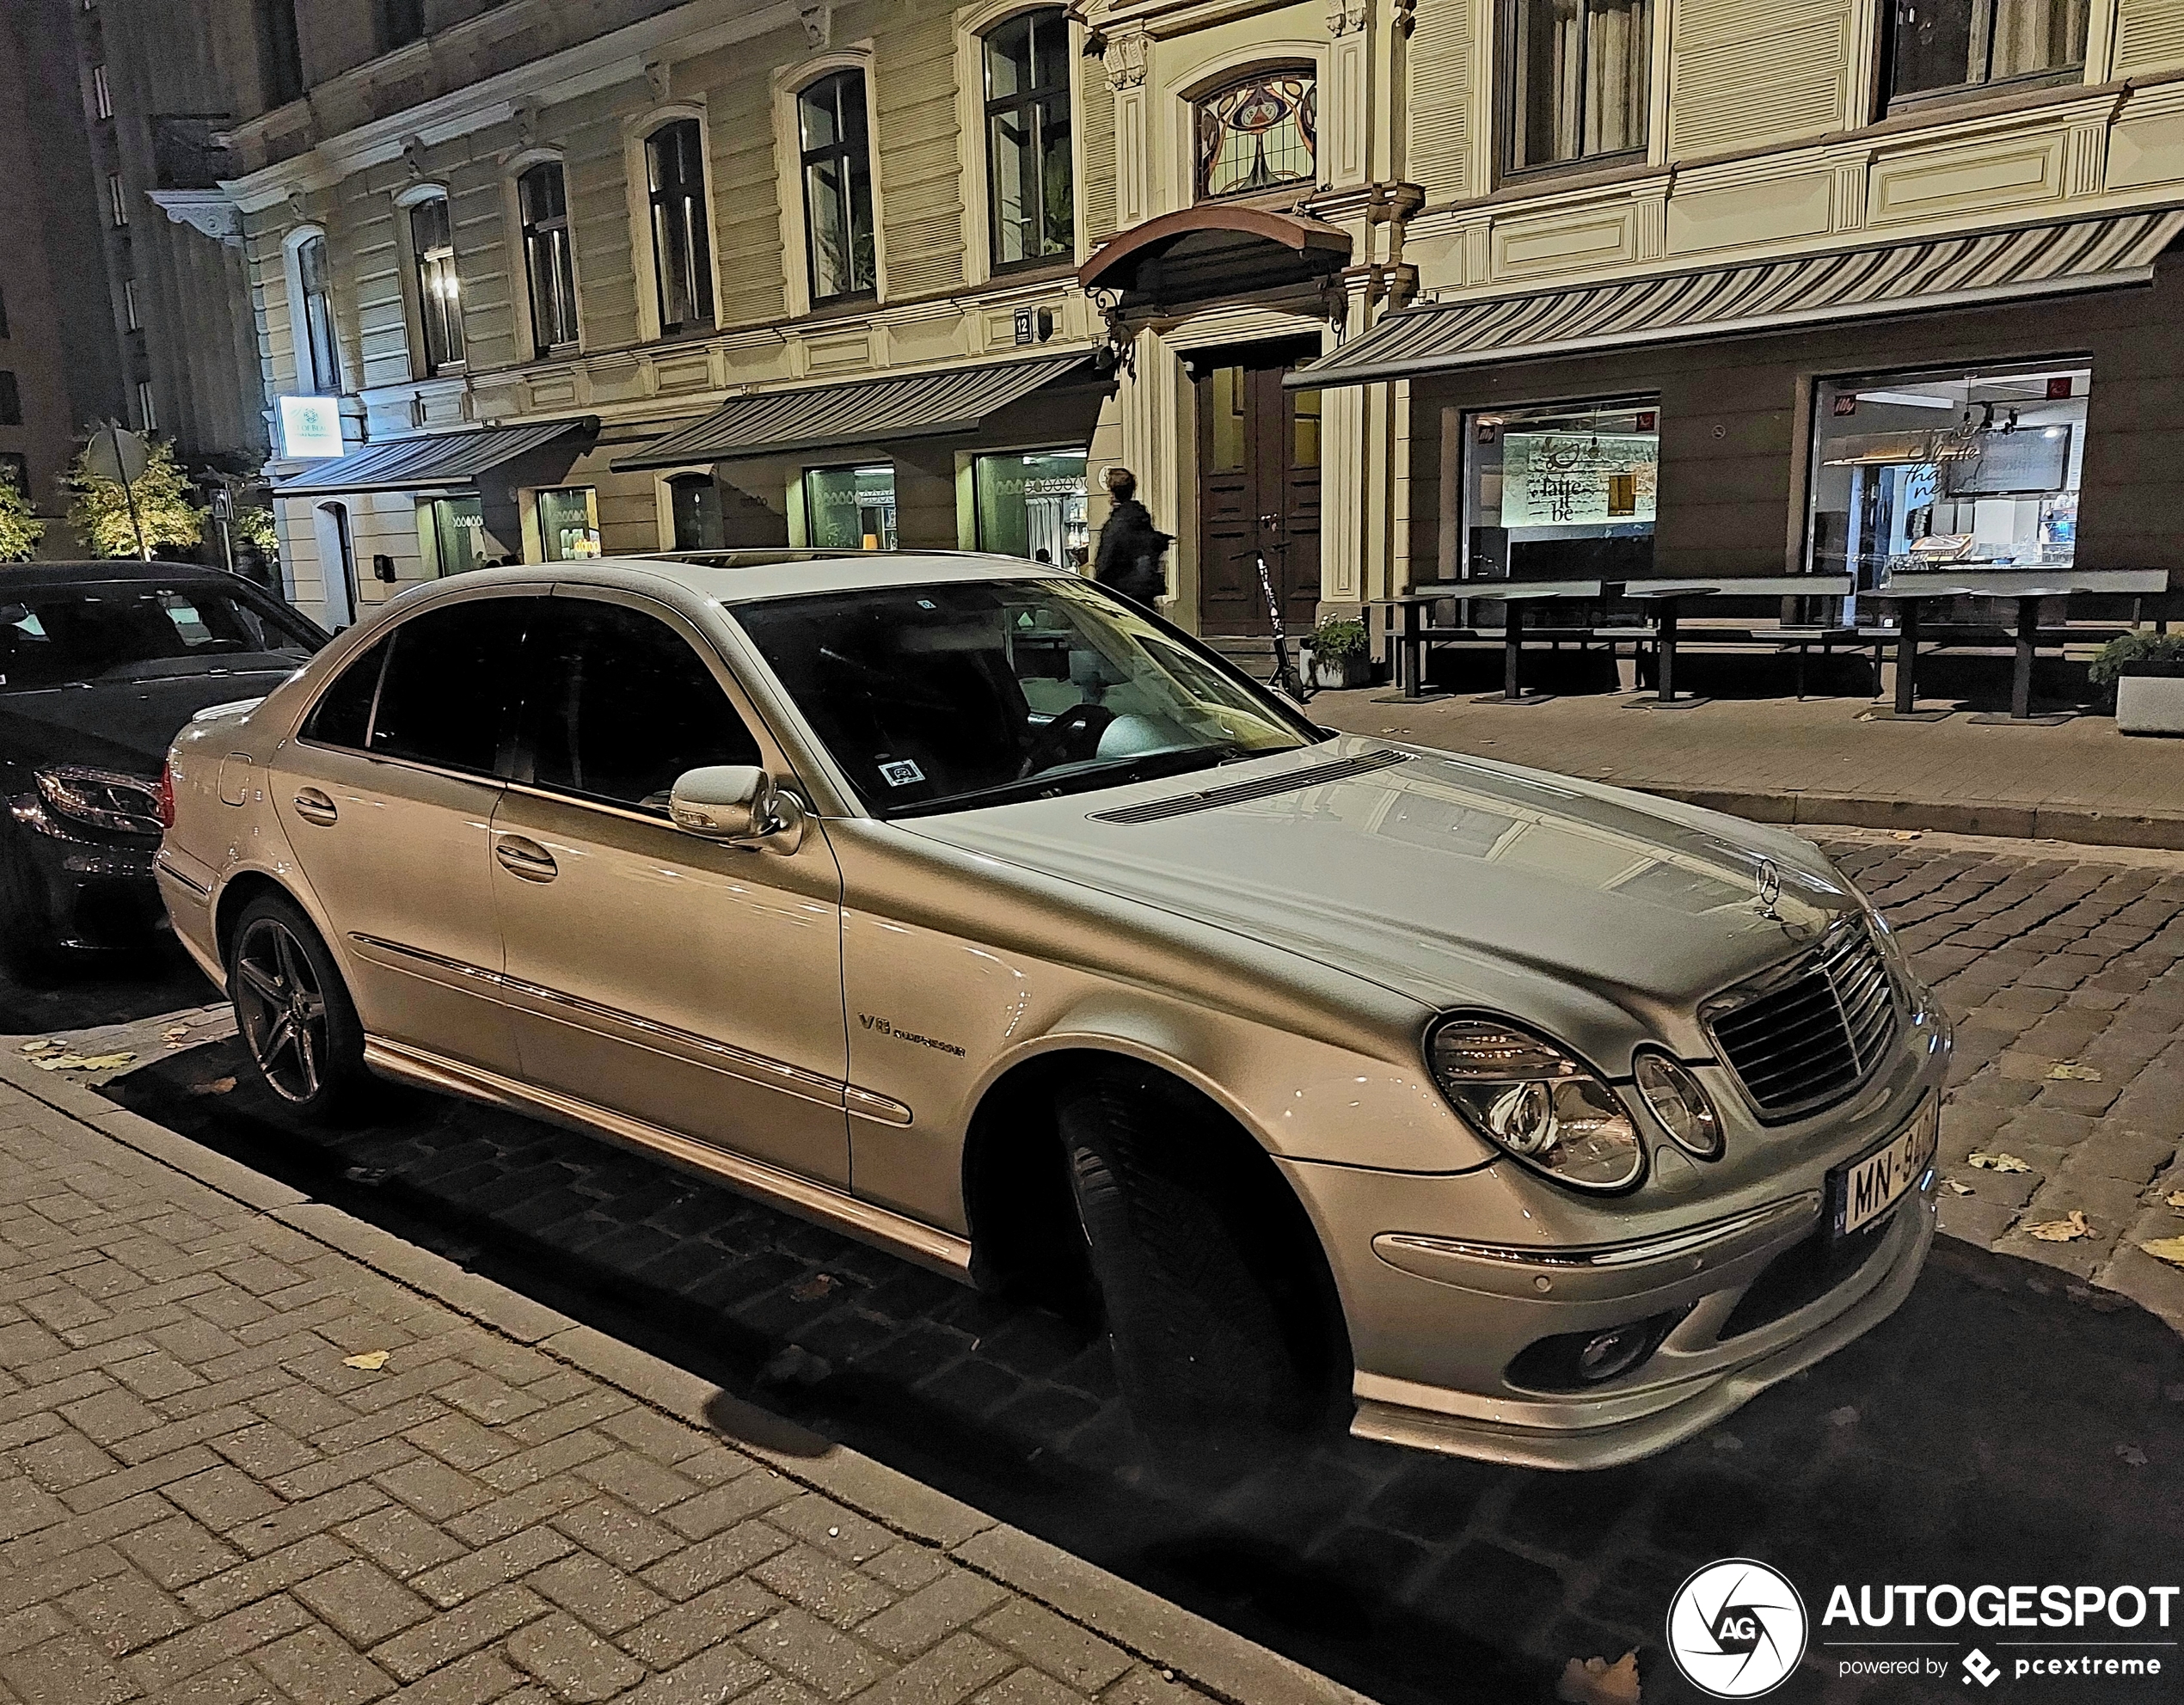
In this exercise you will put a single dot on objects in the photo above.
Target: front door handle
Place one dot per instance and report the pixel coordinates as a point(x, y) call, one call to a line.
point(314, 806)
point(521, 856)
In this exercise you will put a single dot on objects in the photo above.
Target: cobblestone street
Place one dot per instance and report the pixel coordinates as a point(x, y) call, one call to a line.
point(2021, 1418)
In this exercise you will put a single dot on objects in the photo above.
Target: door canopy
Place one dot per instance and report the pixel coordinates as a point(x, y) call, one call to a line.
point(1213, 251)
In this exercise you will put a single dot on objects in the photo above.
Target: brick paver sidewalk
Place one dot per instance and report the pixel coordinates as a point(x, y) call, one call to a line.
point(206, 1499)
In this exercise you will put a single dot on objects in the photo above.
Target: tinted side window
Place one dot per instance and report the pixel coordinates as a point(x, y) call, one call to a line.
point(448, 688)
point(342, 716)
point(620, 706)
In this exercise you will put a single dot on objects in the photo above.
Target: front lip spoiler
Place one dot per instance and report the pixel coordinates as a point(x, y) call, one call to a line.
point(1615, 1443)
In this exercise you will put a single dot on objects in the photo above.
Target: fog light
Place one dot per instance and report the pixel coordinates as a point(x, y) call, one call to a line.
point(1609, 1353)
point(1678, 1100)
point(1572, 1361)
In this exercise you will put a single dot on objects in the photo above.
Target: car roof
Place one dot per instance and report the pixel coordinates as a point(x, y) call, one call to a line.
point(742, 577)
point(110, 571)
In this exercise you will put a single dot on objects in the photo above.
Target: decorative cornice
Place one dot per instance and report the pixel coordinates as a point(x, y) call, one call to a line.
point(1344, 16)
point(207, 211)
point(1126, 56)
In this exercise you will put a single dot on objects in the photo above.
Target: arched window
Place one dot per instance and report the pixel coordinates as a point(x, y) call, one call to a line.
point(682, 248)
point(1031, 178)
point(439, 290)
point(319, 362)
point(550, 266)
point(1260, 133)
point(838, 186)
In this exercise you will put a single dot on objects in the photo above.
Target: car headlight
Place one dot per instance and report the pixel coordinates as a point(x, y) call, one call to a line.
point(101, 799)
point(1527, 1096)
point(1678, 1100)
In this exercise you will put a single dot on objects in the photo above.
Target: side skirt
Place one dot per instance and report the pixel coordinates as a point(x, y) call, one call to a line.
point(899, 1235)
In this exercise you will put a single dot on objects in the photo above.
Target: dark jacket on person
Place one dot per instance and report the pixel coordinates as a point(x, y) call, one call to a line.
point(1128, 559)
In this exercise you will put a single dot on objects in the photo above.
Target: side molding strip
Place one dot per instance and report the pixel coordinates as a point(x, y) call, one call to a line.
point(942, 1251)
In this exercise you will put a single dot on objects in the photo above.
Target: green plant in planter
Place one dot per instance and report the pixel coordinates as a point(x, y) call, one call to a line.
point(1338, 642)
point(2138, 653)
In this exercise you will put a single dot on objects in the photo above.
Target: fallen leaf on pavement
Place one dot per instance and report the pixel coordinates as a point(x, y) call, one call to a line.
point(1955, 1188)
point(2071, 1072)
point(2062, 1230)
point(811, 1290)
point(219, 1086)
point(2176, 1198)
point(1595, 1681)
point(1907, 834)
point(2131, 1456)
point(371, 1361)
point(81, 1062)
point(2169, 1249)
point(1994, 1163)
point(43, 1047)
point(1845, 1416)
point(175, 1035)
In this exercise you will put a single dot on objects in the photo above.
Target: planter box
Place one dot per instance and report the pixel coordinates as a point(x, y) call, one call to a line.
point(1355, 671)
point(2150, 704)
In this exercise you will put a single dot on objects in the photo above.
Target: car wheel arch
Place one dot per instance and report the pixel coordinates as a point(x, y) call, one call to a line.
point(242, 886)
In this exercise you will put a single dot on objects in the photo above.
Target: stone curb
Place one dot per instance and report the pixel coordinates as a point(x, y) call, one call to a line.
point(2079, 824)
point(1165, 1636)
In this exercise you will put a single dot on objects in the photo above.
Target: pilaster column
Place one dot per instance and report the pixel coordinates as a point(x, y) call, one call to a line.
point(1126, 56)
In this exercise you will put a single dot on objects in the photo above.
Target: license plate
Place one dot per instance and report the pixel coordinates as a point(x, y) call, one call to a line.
point(1869, 1185)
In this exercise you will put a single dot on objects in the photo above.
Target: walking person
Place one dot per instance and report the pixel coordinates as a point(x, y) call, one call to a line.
point(1129, 558)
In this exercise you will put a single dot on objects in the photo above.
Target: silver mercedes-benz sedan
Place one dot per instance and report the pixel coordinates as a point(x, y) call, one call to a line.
point(966, 908)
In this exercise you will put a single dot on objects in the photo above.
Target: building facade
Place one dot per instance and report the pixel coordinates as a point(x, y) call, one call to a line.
point(1370, 292)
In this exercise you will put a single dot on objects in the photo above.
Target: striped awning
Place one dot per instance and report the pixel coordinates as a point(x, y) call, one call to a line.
point(862, 411)
point(430, 462)
point(1850, 284)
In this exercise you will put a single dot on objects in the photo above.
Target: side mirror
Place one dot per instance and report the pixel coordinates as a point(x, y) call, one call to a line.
point(737, 804)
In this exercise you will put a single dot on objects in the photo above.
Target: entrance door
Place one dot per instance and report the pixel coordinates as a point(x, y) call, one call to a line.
point(1258, 491)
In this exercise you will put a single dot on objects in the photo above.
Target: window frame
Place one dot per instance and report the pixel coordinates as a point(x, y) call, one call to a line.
point(10, 398)
point(842, 150)
point(526, 230)
point(440, 260)
point(1465, 421)
point(1508, 122)
point(1227, 82)
point(1892, 104)
point(990, 107)
point(705, 292)
point(309, 380)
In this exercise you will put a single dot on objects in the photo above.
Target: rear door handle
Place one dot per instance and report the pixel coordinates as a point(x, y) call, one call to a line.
point(314, 806)
point(522, 856)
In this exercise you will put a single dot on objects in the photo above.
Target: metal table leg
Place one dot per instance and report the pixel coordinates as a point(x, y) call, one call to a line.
point(1907, 659)
point(2021, 682)
point(1665, 652)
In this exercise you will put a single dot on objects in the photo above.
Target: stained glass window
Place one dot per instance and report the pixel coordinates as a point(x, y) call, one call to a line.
point(1258, 134)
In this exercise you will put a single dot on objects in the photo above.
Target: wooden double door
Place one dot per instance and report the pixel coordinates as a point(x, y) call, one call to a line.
point(1259, 490)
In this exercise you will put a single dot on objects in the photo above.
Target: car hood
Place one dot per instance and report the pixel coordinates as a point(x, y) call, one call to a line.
point(1450, 878)
point(121, 725)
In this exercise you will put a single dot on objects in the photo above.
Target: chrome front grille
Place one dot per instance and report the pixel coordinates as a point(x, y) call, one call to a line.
point(1800, 1038)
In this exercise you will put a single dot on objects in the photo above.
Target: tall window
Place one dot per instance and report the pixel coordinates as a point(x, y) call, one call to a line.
point(440, 292)
point(1258, 134)
point(117, 199)
point(280, 59)
point(1031, 178)
point(400, 22)
point(10, 401)
point(314, 288)
point(838, 186)
point(681, 250)
point(147, 408)
point(1578, 79)
point(102, 92)
point(1947, 44)
point(542, 200)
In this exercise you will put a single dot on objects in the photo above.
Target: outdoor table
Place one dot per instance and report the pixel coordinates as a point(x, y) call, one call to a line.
point(1410, 610)
point(1516, 594)
point(2028, 586)
point(1671, 593)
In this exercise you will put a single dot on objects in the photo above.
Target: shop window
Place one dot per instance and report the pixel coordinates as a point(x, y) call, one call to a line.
point(1258, 134)
point(1955, 468)
point(1580, 82)
point(439, 290)
point(1030, 175)
point(694, 508)
point(1939, 45)
point(1561, 491)
point(315, 291)
point(1032, 504)
point(280, 59)
point(453, 532)
point(682, 248)
point(850, 508)
point(832, 131)
point(549, 265)
point(568, 524)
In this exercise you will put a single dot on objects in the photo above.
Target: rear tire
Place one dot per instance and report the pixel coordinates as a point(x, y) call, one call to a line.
point(297, 1024)
point(1208, 1355)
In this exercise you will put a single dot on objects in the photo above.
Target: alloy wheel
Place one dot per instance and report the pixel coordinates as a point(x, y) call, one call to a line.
point(281, 1008)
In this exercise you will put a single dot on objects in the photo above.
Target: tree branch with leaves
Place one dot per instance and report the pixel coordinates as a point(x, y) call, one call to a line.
point(98, 508)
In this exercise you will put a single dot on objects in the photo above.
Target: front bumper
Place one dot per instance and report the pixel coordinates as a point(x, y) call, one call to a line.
point(91, 893)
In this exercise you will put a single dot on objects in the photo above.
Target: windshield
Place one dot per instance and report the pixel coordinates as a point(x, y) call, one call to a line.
point(944, 698)
point(51, 636)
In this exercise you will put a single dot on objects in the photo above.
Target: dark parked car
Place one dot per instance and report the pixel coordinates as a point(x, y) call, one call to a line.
point(101, 664)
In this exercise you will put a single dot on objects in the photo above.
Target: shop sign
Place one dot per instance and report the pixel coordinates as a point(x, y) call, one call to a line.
point(310, 427)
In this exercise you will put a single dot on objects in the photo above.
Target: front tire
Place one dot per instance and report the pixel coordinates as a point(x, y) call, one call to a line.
point(1211, 1355)
point(297, 1023)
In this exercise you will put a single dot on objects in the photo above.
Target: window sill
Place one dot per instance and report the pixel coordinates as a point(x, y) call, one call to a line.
point(1624, 163)
point(1043, 270)
point(2002, 94)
